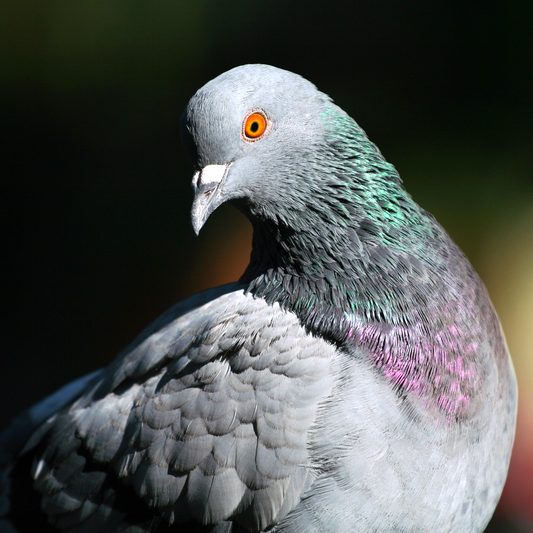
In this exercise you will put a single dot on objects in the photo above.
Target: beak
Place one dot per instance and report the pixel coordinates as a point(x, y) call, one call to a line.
point(208, 195)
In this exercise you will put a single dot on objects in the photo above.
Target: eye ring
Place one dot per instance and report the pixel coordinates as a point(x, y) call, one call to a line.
point(254, 126)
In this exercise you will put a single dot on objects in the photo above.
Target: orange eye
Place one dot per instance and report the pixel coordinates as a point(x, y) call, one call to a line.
point(254, 126)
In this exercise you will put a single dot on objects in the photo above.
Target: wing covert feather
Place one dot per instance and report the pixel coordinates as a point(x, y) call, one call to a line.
point(205, 419)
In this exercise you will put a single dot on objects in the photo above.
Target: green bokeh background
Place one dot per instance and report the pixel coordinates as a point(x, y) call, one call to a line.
point(95, 194)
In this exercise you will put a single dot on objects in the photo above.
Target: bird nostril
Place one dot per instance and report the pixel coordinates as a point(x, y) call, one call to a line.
point(210, 175)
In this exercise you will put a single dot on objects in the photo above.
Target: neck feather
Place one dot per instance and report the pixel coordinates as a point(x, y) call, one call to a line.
point(366, 268)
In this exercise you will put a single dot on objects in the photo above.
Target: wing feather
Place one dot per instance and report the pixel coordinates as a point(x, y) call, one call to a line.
point(205, 419)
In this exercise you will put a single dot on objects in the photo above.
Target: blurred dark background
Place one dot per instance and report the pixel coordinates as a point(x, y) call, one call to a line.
point(95, 194)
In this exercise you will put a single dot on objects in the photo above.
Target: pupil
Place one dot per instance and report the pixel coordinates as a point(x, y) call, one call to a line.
point(254, 127)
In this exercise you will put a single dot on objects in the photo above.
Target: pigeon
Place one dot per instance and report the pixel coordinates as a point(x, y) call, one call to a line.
point(354, 379)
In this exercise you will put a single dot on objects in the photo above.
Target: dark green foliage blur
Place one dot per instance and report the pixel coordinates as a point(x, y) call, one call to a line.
point(95, 192)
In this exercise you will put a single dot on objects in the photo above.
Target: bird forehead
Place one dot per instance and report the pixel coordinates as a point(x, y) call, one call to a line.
point(251, 78)
point(249, 87)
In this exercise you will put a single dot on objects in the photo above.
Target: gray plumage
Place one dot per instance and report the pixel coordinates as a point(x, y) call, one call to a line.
point(355, 379)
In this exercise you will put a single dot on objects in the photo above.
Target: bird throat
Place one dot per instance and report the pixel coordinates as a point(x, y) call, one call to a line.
point(322, 275)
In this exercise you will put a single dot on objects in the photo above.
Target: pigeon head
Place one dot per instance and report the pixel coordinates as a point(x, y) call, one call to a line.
point(253, 132)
